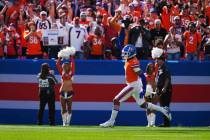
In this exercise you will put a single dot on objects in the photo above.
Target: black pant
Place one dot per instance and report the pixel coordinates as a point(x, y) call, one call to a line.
point(47, 98)
point(165, 100)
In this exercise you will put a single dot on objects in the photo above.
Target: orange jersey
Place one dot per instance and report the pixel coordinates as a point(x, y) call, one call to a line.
point(33, 44)
point(136, 14)
point(166, 18)
point(151, 21)
point(97, 44)
point(13, 10)
point(21, 29)
point(207, 11)
point(192, 41)
point(85, 23)
point(185, 20)
point(174, 12)
point(130, 74)
point(117, 27)
point(102, 12)
point(12, 43)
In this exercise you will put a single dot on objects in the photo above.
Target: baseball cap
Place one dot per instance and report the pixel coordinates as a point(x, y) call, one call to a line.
point(43, 13)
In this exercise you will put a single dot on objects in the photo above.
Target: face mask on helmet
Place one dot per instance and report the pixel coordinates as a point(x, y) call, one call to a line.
point(125, 55)
point(128, 52)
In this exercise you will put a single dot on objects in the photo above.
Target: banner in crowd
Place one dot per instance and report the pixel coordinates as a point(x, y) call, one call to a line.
point(54, 37)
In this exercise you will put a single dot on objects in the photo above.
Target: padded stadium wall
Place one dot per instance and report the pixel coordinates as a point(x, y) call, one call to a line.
point(96, 83)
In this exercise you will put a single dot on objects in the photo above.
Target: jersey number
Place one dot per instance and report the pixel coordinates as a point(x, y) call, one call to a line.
point(78, 33)
point(33, 40)
point(42, 26)
point(191, 40)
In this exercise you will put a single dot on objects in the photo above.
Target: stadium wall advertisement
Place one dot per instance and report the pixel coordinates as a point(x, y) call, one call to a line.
point(96, 83)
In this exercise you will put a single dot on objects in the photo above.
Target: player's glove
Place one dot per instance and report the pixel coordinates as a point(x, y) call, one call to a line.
point(144, 82)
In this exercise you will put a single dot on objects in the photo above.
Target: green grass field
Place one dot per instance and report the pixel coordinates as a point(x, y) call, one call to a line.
point(22, 132)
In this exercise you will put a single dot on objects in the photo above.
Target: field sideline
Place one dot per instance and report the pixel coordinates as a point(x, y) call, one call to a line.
point(24, 132)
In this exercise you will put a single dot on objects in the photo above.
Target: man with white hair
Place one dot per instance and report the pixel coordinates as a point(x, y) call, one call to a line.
point(44, 22)
point(83, 20)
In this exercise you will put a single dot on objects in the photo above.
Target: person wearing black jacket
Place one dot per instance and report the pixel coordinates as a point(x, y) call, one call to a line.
point(139, 36)
point(164, 86)
point(158, 32)
point(46, 81)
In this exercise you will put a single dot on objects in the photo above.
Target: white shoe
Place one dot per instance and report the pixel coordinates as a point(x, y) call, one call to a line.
point(68, 119)
point(108, 123)
point(151, 125)
point(64, 118)
point(167, 113)
point(64, 123)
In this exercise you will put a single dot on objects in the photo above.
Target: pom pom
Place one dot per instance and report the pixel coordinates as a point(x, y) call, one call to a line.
point(156, 52)
point(67, 52)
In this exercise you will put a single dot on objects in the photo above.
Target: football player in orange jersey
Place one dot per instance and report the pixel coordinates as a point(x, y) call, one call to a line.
point(136, 87)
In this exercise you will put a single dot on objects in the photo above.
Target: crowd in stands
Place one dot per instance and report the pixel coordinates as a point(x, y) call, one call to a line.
point(99, 29)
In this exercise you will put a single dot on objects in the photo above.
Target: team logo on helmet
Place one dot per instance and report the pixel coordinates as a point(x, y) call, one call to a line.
point(128, 51)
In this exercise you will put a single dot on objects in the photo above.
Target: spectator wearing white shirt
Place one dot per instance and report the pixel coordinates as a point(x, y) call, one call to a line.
point(77, 34)
point(173, 42)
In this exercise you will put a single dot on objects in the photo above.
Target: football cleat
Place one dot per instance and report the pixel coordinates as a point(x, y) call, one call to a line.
point(108, 123)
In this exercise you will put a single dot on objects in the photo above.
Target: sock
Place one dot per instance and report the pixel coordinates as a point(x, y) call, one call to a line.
point(155, 107)
point(68, 118)
point(114, 115)
point(152, 117)
point(64, 118)
point(148, 120)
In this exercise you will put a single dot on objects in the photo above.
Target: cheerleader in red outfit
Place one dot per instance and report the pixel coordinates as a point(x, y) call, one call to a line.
point(150, 95)
point(66, 89)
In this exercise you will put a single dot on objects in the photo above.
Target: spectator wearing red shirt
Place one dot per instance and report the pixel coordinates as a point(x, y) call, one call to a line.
point(83, 20)
point(109, 33)
point(33, 38)
point(97, 44)
point(100, 10)
point(12, 43)
point(166, 15)
point(2, 41)
point(192, 42)
point(185, 16)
